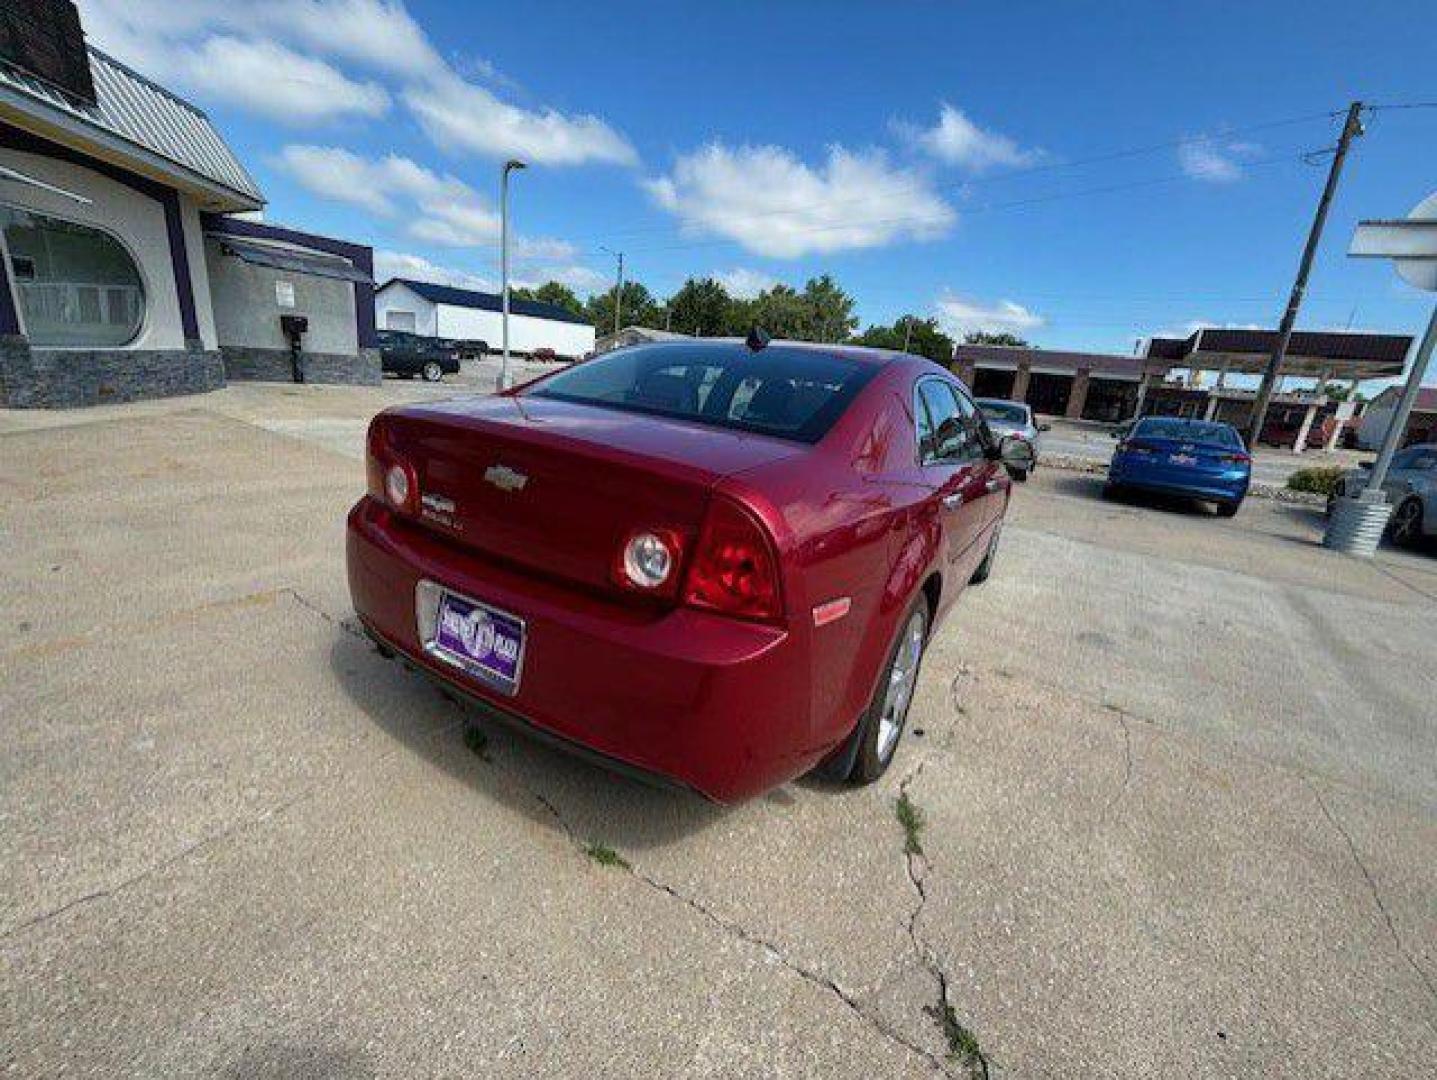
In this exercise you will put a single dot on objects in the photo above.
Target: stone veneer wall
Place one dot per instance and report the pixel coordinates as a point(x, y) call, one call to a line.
point(33, 378)
point(245, 364)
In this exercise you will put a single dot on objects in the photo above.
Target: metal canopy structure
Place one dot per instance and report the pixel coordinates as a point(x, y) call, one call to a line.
point(1310, 354)
point(299, 262)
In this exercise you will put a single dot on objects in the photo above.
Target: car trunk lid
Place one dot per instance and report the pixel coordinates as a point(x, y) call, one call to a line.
point(556, 487)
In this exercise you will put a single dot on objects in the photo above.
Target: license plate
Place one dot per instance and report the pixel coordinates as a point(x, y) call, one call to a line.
point(1182, 459)
point(485, 642)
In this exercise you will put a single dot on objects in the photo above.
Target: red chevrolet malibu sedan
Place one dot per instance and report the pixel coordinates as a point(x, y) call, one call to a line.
point(717, 562)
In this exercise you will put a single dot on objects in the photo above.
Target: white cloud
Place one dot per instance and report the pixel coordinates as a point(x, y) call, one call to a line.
point(1215, 160)
point(458, 115)
point(245, 54)
point(393, 264)
point(743, 283)
point(956, 140)
point(773, 204)
point(275, 81)
point(339, 175)
point(958, 315)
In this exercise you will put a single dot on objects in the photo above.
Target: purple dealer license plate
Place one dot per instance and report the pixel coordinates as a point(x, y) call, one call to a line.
point(488, 644)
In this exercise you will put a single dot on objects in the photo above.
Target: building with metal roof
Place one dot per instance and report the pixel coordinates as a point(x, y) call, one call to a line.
point(122, 274)
point(476, 318)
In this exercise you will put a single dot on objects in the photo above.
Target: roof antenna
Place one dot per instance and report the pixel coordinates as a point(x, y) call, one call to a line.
point(757, 338)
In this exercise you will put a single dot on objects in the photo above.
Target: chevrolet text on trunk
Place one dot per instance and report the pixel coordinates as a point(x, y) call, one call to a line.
point(713, 562)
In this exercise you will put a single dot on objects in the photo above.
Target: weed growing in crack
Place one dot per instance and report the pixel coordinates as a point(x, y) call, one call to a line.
point(911, 818)
point(476, 741)
point(962, 1043)
point(605, 855)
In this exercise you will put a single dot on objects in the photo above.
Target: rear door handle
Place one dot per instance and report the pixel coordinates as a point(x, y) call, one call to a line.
point(953, 501)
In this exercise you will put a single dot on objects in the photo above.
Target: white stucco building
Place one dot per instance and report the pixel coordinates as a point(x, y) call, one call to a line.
point(441, 311)
point(125, 271)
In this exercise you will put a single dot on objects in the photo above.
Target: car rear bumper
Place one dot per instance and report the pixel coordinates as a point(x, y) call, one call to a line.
point(1220, 487)
point(709, 703)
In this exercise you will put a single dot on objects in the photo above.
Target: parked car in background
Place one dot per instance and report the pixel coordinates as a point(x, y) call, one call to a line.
point(1014, 418)
point(1198, 459)
point(1411, 487)
point(544, 353)
point(408, 355)
point(708, 561)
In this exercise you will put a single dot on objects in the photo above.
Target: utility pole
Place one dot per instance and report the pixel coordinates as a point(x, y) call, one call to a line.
point(505, 377)
point(907, 331)
point(1350, 130)
point(618, 289)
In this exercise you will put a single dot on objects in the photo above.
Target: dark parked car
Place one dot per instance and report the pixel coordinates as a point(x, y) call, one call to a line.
point(408, 355)
point(716, 563)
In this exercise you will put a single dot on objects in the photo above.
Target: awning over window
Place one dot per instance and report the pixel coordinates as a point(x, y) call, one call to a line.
point(298, 262)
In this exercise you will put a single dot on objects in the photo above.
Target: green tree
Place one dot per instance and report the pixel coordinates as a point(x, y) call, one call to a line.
point(701, 307)
point(830, 311)
point(783, 312)
point(552, 292)
point(983, 337)
point(639, 309)
point(923, 338)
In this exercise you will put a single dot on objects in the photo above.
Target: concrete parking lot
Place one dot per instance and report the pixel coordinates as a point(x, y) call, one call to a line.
point(1176, 778)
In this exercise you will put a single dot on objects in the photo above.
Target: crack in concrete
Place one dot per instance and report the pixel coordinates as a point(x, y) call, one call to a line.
point(943, 1013)
point(738, 930)
point(348, 626)
point(1387, 919)
point(1127, 780)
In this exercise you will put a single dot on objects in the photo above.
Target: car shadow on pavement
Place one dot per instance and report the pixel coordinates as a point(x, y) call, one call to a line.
point(506, 764)
point(1091, 485)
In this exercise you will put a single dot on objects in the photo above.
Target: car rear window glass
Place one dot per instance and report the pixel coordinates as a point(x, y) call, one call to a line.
point(1004, 410)
point(791, 393)
point(1198, 431)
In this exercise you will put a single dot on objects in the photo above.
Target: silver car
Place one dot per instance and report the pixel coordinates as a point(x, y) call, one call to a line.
point(1411, 488)
point(1013, 418)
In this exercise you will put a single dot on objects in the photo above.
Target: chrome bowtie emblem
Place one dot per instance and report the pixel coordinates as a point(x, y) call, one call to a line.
point(505, 478)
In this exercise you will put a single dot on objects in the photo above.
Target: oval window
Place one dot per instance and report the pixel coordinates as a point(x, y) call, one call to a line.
point(77, 286)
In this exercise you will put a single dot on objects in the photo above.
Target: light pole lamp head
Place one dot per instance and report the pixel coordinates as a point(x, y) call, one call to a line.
point(513, 164)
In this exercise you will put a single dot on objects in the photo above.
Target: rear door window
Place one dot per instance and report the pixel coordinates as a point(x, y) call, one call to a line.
point(791, 393)
point(949, 427)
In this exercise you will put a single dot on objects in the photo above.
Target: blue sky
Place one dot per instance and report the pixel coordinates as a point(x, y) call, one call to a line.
point(934, 157)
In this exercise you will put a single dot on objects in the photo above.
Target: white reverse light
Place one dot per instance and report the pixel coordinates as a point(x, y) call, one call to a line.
point(648, 562)
point(396, 486)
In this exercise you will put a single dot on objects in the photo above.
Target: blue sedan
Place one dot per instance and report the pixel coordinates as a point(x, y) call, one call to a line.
point(1199, 459)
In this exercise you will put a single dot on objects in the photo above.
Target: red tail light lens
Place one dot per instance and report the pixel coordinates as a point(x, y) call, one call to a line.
point(1237, 459)
point(734, 570)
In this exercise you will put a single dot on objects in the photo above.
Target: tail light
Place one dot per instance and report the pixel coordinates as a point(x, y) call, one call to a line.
point(734, 570)
point(390, 478)
point(1236, 459)
point(648, 562)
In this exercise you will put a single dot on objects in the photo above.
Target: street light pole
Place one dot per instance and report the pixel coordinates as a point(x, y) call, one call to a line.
point(506, 379)
point(1350, 130)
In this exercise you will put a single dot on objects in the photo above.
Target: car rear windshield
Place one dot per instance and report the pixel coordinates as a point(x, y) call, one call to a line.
point(1004, 410)
point(790, 393)
point(1198, 431)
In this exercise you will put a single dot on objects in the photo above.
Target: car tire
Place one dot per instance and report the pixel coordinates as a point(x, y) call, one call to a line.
point(985, 567)
point(1113, 492)
point(881, 729)
point(1228, 509)
point(1022, 475)
point(432, 371)
point(1405, 528)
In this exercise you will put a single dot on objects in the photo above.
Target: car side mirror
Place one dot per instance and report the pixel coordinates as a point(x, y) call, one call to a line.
point(1016, 454)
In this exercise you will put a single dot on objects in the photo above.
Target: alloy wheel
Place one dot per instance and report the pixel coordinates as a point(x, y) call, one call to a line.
point(902, 679)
